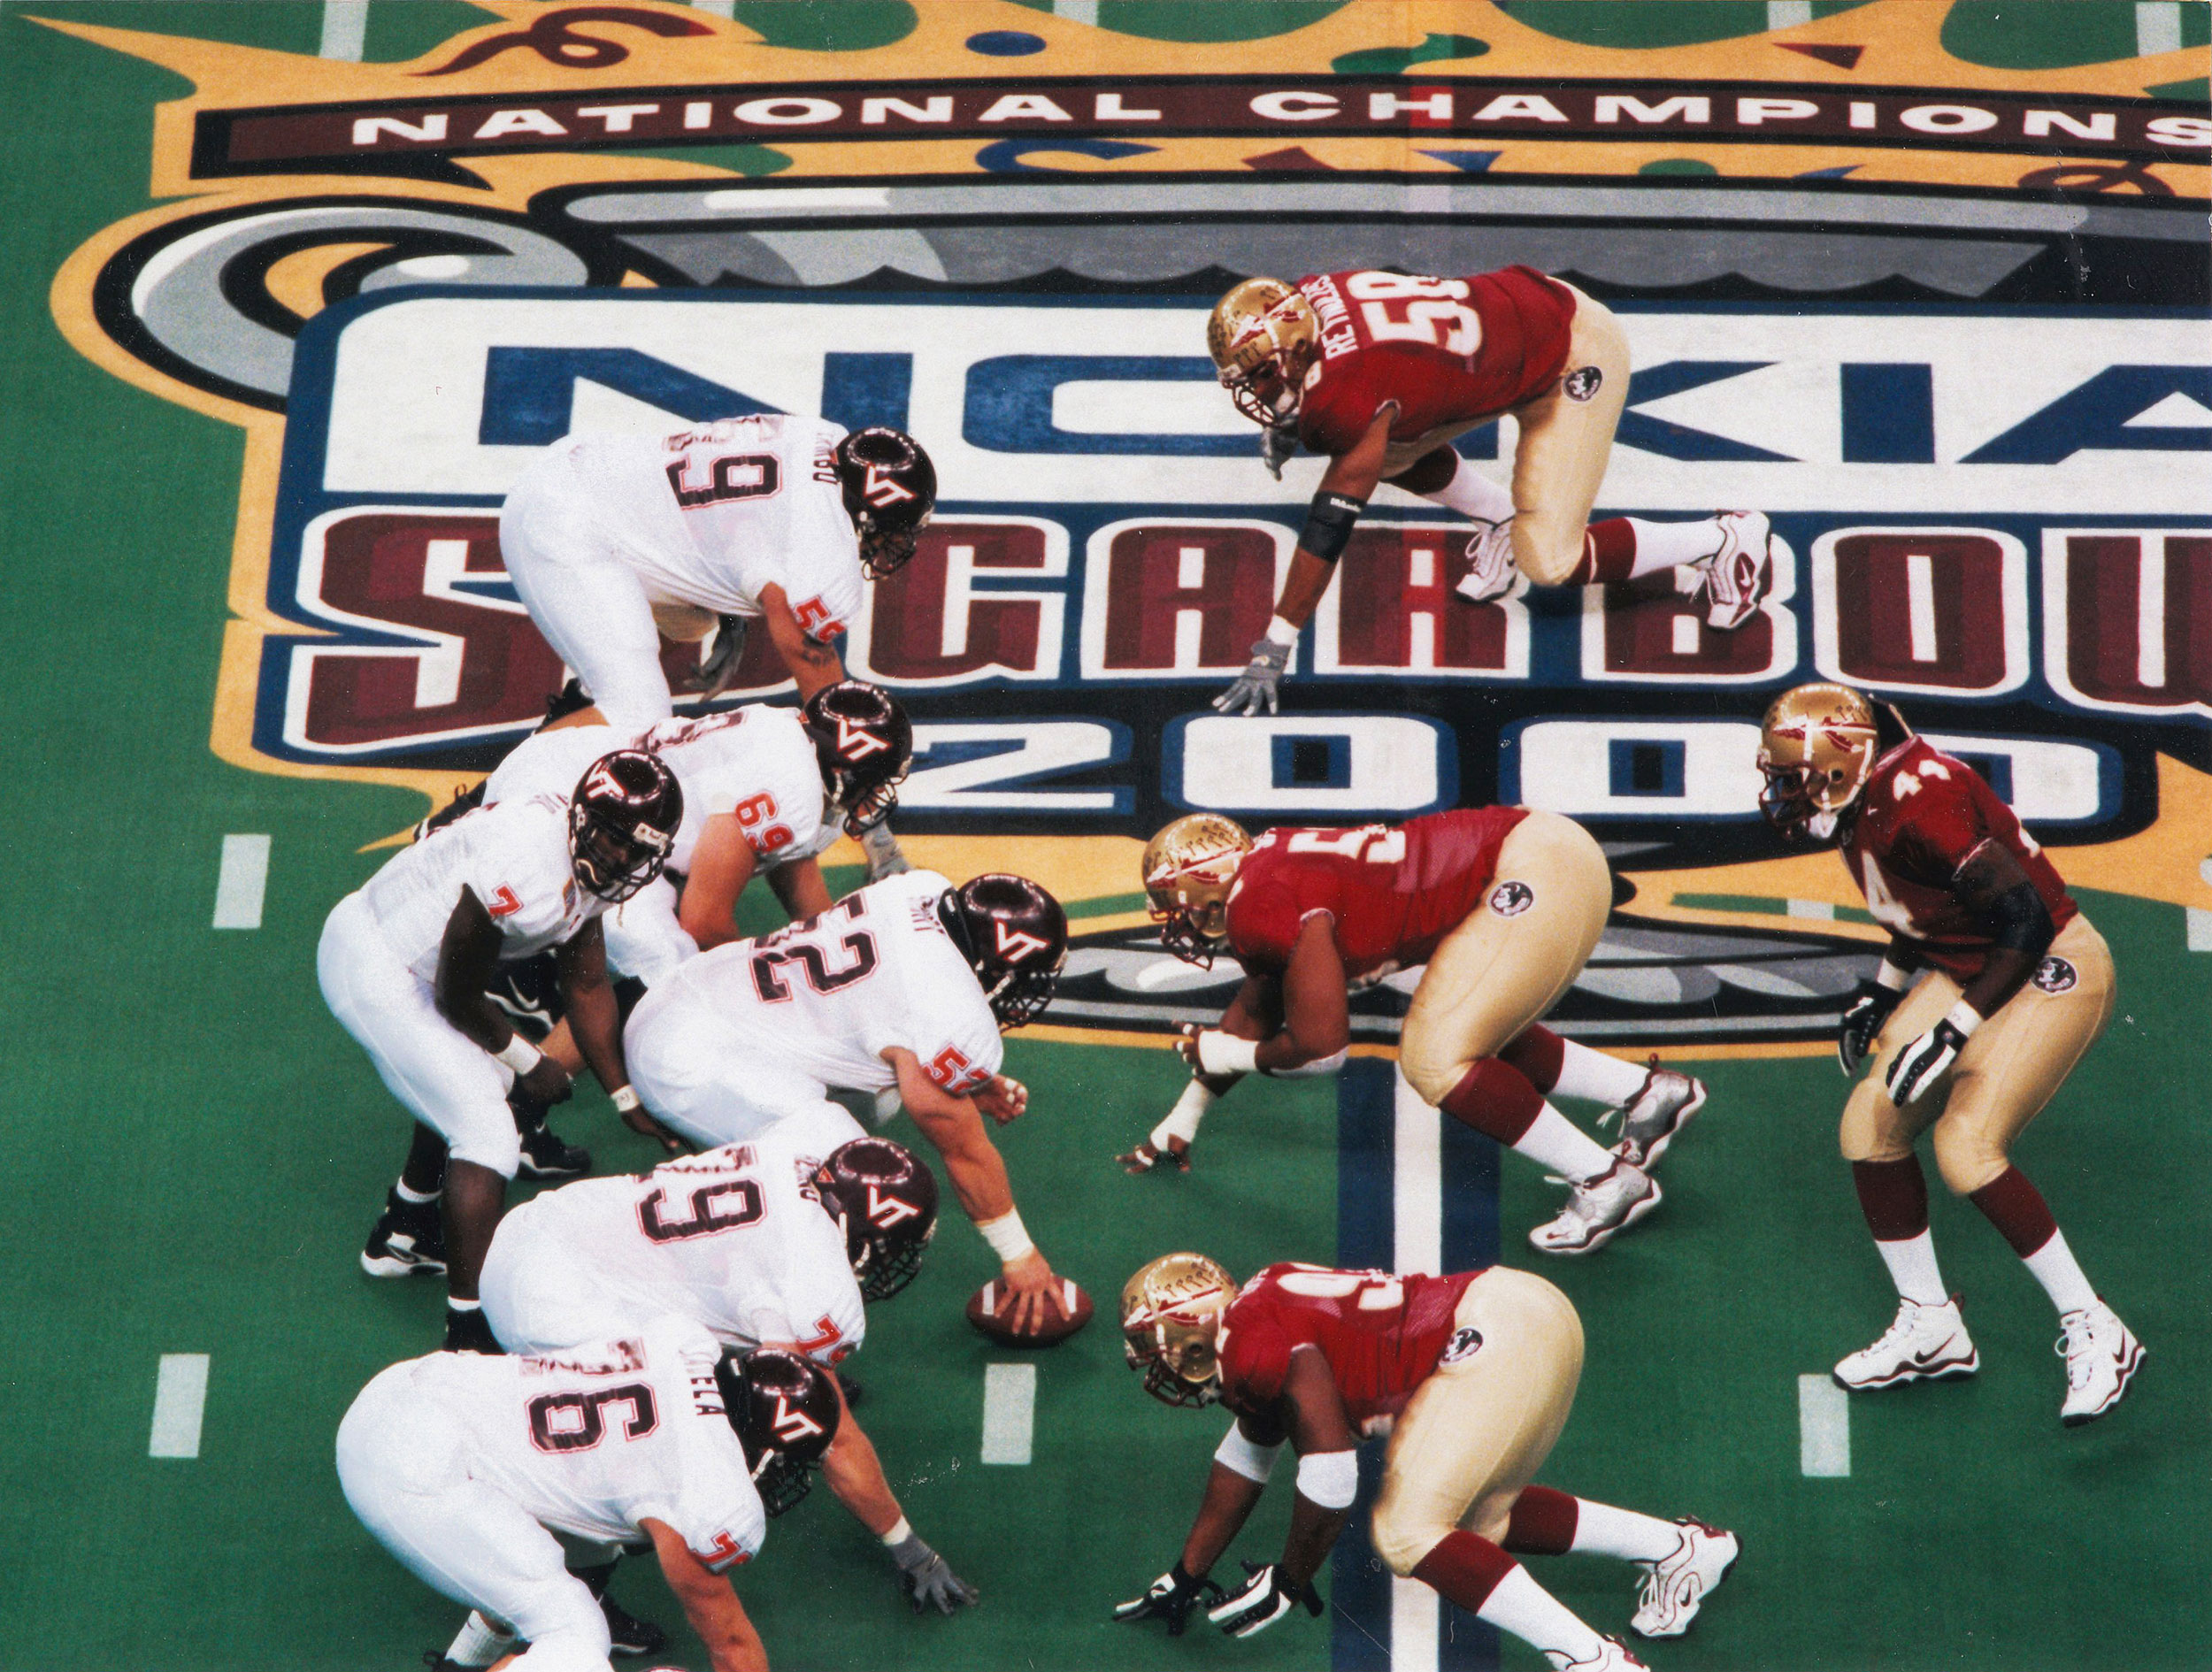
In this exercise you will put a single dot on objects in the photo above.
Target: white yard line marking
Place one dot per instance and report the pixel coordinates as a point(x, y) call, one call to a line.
point(241, 883)
point(1077, 11)
point(720, 8)
point(345, 29)
point(1817, 910)
point(179, 1395)
point(2199, 929)
point(1010, 1412)
point(1920, 604)
point(1823, 1429)
point(2157, 27)
point(2150, 612)
point(1415, 1616)
point(1788, 14)
point(1416, 1168)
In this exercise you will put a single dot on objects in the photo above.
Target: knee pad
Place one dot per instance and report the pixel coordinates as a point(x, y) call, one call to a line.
point(1404, 1540)
point(1863, 1134)
point(1966, 1160)
point(495, 1146)
point(1540, 553)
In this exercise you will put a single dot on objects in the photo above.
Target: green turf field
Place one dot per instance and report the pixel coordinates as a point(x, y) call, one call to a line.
point(196, 1150)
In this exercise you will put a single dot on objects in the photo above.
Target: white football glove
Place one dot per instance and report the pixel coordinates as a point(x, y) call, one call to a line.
point(1262, 1600)
point(881, 848)
point(1919, 1063)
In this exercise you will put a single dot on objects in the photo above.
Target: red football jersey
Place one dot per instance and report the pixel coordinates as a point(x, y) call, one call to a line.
point(1381, 1335)
point(1394, 890)
point(1924, 814)
point(1449, 351)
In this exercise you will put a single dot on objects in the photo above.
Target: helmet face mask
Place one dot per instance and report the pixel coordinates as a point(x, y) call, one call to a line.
point(786, 1411)
point(889, 488)
point(1818, 746)
point(864, 745)
point(1172, 1313)
point(1264, 337)
point(1014, 936)
point(622, 821)
point(1189, 869)
point(884, 1198)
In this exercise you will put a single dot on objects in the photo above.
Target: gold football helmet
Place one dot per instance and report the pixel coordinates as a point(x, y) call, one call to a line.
point(1816, 749)
point(1170, 1327)
point(1189, 868)
point(1264, 336)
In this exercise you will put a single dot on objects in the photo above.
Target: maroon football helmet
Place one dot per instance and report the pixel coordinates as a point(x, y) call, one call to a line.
point(1014, 938)
point(885, 1200)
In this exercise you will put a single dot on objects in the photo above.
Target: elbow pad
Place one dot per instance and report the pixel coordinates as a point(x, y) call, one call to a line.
point(1330, 1479)
point(1239, 1456)
point(1328, 525)
point(2023, 922)
point(1306, 1071)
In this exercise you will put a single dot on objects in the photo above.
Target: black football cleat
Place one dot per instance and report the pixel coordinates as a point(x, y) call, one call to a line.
point(470, 1331)
point(408, 1237)
point(628, 1634)
point(570, 698)
point(545, 1152)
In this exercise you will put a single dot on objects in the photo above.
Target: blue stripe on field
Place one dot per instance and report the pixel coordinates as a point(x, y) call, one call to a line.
point(1359, 1588)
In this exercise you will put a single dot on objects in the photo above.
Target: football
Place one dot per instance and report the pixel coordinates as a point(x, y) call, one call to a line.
point(991, 1309)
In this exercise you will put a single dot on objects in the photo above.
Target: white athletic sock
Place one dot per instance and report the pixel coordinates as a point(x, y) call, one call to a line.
point(2054, 1266)
point(406, 1194)
point(1521, 1606)
point(1602, 1078)
point(1553, 1140)
point(1912, 1268)
point(1471, 493)
point(1670, 545)
point(479, 1644)
point(456, 1303)
point(1600, 1529)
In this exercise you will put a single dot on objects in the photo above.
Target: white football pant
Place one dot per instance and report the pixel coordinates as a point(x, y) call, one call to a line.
point(447, 1081)
point(539, 1297)
point(403, 1461)
point(590, 605)
point(713, 1085)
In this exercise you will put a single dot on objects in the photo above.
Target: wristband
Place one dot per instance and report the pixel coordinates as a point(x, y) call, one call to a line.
point(1280, 632)
point(1329, 525)
point(898, 1535)
point(518, 1054)
point(1005, 1234)
point(1893, 977)
point(1182, 1120)
point(1220, 1053)
point(1965, 1018)
point(625, 1099)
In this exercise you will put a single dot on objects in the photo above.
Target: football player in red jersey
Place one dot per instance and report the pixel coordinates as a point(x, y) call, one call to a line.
point(1503, 904)
point(1382, 371)
point(2017, 986)
point(1471, 1374)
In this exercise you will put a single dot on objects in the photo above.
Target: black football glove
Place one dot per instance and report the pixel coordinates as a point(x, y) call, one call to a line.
point(1920, 1062)
point(1171, 1598)
point(1863, 1019)
point(1263, 1601)
point(712, 676)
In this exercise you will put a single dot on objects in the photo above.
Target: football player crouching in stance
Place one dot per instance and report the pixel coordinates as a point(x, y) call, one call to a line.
point(1503, 904)
point(2018, 986)
point(404, 962)
point(905, 988)
point(763, 1245)
point(1471, 1374)
point(466, 1467)
point(1381, 372)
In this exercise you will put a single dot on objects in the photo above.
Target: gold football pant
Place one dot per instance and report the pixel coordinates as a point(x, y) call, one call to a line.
point(1476, 1432)
point(2012, 1066)
point(1510, 958)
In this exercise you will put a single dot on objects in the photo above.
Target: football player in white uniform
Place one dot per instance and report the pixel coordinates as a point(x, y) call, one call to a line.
point(765, 1243)
point(403, 964)
point(465, 1467)
point(905, 985)
point(769, 518)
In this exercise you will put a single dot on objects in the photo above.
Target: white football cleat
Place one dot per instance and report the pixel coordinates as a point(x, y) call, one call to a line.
point(1924, 1344)
point(1599, 1209)
point(1491, 573)
point(1649, 1120)
point(1742, 572)
point(2101, 1354)
point(1612, 1656)
point(1677, 1587)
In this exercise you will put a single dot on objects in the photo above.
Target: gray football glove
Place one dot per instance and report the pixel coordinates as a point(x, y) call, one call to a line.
point(1254, 691)
point(882, 849)
point(928, 1577)
point(1278, 443)
point(720, 667)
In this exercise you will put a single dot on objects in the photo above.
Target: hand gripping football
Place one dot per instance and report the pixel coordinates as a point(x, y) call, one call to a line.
point(991, 1309)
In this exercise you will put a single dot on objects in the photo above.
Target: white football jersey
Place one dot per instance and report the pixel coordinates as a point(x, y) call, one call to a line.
point(514, 857)
point(712, 514)
point(735, 1238)
point(595, 1440)
point(756, 762)
point(828, 995)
